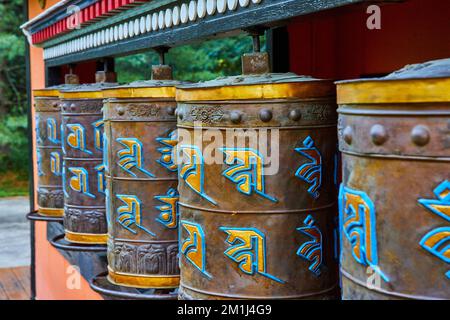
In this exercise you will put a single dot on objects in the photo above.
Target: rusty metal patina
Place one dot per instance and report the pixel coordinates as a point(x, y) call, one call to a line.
point(48, 151)
point(83, 169)
point(245, 234)
point(142, 196)
point(394, 198)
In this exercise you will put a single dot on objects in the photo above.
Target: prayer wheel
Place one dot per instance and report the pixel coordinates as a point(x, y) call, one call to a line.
point(394, 200)
point(257, 191)
point(48, 148)
point(83, 169)
point(142, 196)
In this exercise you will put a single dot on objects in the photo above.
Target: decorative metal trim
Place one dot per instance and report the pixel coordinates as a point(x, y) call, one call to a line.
point(34, 216)
point(60, 243)
point(101, 285)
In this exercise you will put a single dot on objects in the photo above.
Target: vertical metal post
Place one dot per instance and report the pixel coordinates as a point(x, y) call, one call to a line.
point(30, 164)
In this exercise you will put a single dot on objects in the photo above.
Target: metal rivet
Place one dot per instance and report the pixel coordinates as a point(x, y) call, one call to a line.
point(73, 107)
point(378, 134)
point(420, 135)
point(55, 105)
point(265, 115)
point(64, 106)
point(120, 111)
point(295, 115)
point(348, 135)
point(171, 110)
point(235, 117)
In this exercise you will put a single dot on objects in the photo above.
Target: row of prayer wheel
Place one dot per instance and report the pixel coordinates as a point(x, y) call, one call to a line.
point(231, 188)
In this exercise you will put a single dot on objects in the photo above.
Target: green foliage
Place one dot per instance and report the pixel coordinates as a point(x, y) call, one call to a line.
point(199, 62)
point(13, 119)
point(13, 144)
point(12, 58)
point(13, 184)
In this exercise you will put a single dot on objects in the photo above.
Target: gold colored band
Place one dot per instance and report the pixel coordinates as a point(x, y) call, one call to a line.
point(85, 238)
point(394, 91)
point(149, 92)
point(140, 281)
point(82, 95)
point(300, 90)
point(51, 212)
point(45, 93)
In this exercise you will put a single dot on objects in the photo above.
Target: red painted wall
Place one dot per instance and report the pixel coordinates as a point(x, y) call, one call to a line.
point(337, 44)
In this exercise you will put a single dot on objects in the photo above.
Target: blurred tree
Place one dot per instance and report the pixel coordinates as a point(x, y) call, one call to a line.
point(12, 59)
point(13, 102)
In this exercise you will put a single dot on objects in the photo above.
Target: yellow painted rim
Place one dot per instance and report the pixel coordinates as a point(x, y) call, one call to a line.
point(144, 92)
point(139, 281)
point(82, 95)
point(301, 90)
point(394, 91)
point(51, 212)
point(45, 93)
point(85, 238)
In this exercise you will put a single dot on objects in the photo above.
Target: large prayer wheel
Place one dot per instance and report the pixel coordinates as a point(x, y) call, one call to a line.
point(83, 169)
point(251, 229)
point(48, 147)
point(395, 195)
point(140, 130)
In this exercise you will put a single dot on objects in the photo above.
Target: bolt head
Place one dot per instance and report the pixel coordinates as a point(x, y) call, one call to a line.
point(265, 115)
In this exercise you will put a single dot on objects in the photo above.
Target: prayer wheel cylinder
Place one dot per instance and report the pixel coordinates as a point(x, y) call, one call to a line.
point(140, 130)
point(246, 233)
point(83, 169)
point(49, 153)
point(395, 194)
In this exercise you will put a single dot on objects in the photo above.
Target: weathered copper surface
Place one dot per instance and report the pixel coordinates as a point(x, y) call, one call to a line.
point(241, 239)
point(394, 198)
point(49, 153)
point(83, 170)
point(255, 63)
point(142, 185)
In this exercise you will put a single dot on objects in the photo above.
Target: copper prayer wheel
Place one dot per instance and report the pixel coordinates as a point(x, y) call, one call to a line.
point(83, 169)
point(49, 154)
point(250, 229)
point(395, 196)
point(142, 204)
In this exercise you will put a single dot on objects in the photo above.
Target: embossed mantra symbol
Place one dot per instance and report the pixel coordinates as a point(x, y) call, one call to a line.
point(437, 241)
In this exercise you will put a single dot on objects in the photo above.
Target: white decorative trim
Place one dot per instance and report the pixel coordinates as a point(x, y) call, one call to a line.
point(192, 10)
point(221, 6)
point(152, 22)
point(155, 21)
point(211, 7)
point(168, 18)
point(161, 22)
point(201, 8)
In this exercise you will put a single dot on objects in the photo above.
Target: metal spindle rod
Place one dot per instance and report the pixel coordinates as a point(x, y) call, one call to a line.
point(256, 43)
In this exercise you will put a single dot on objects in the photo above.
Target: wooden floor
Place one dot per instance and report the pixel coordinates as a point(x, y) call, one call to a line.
point(15, 283)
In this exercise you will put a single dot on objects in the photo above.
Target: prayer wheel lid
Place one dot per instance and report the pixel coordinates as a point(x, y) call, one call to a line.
point(257, 86)
point(86, 91)
point(415, 83)
point(143, 89)
point(52, 91)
